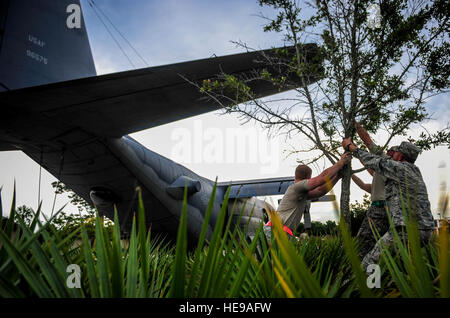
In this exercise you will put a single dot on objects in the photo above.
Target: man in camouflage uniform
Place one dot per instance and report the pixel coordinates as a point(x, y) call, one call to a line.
point(375, 220)
point(405, 187)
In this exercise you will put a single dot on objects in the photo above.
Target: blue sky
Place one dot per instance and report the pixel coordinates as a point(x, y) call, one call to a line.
point(172, 31)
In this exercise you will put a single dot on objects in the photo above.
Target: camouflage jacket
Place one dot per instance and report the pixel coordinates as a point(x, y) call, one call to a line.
point(404, 187)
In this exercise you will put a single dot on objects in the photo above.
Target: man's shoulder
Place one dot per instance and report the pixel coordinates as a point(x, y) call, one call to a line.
point(403, 164)
point(297, 188)
point(405, 169)
point(375, 149)
point(301, 186)
point(412, 167)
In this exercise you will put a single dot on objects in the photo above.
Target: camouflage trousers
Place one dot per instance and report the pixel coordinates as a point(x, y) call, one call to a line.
point(375, 217)
point(373, 256)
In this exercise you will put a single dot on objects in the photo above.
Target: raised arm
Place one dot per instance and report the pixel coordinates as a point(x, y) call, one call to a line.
point(324, 188)
point(391, 169)
point(320, 180)
point(362, 133)
point(364, 186)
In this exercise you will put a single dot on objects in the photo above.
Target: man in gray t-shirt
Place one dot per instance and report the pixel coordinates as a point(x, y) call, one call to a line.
point(292, 206)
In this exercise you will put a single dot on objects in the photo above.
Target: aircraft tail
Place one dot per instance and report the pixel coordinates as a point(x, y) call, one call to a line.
point(41, 42)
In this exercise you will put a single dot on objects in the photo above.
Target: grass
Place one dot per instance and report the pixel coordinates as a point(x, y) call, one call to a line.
point(34, 258)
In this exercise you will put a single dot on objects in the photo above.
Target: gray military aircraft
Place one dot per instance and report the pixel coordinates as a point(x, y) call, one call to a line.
point(75, 124)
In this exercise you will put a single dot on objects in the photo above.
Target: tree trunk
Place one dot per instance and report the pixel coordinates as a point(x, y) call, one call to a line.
point(345, 195)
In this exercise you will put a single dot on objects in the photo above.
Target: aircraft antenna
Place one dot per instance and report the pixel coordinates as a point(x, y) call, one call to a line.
point(111, 34)
point(120, 33)
point(40, 174)
point(57, 184)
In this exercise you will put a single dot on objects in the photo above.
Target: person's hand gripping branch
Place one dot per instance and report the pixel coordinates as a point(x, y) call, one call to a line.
point(318, 185)
point(348, 145)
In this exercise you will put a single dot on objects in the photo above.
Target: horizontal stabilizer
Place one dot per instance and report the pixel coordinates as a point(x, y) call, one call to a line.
point(265, 187)
point(258, 187)
point(176, 189)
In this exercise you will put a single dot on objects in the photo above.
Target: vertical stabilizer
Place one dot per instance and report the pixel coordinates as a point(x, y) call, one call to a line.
point(41, 42)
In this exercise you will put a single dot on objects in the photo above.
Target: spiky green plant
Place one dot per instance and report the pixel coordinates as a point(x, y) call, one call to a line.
point(34, 259)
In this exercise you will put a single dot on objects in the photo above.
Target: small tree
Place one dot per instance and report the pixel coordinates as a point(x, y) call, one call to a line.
point(26, 213)
point(379, 70)
point(81, 204)
point(67, 222)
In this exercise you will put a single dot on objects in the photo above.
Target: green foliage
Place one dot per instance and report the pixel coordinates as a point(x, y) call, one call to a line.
point(63, 222)
point(429, 141)
point(358, 213)
point(67, 222)
point(26, 213)
point(229, 86)
point(438, 65)
point(319, 228)
point(34, 258)
point(75, 199)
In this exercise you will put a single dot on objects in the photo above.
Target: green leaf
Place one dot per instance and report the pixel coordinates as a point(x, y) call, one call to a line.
point(54, 279)
point(31, 276)
point(90, 266)
point(116, 260)
point(102, 259)
point(132, 264)
point(200, 245)
point(178, 272)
